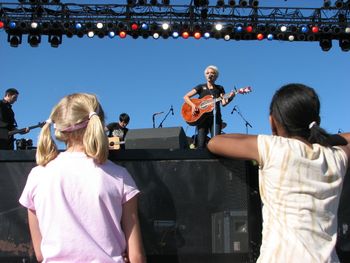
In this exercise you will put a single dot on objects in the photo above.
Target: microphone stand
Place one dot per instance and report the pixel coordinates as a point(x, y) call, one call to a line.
point(166, 116)
point(153, 120)
point(247, 124)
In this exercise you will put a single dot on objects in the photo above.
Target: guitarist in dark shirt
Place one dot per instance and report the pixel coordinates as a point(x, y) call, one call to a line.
point(7, 119)
point(206, 124)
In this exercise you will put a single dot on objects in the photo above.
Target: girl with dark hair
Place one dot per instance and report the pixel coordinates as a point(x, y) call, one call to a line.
point(300, 177)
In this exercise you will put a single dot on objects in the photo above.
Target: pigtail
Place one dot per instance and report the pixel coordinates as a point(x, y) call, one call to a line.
point(95, 139)
point(318, 135)
point(46, 148)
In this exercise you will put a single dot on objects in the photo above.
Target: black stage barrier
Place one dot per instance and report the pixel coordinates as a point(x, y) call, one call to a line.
point(193, 206)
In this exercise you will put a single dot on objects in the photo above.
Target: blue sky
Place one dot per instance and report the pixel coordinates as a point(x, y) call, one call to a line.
point(145, 76)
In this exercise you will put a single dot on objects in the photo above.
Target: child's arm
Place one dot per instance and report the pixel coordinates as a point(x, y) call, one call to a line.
point(131, 227)
point(35, 234)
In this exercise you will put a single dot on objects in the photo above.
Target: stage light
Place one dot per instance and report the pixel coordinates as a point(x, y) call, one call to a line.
point(220, 3)
point(239, 29)
point(347, 30)
point(155, 35)
point(218, 27)
point(249, 29)
point(165, 26)
point(197, 35)
point(111, 34)
point(199, 3)
point(154, 2)
point(206, 35)
point(260, 36)
point(175, 34)
point(254, 3)
point(34, 40)
point(122, 34)
point(326, 44)
point(304, 29)
point(232, 3)
point(344, 44)
point(1, 25)
point(185, 35)
point(55, 40)
point(326, 3)
point(339, 4)
point(78, 26)
point(291, 37)
point(269, 37)
point(166, 2)
point(336, 29)
point(14, 40)
point(99, 25)
point(12, 25)
point(243, 3)
point(144, 26)
point(134, 26)
point(315, 29)
point(91, 34)
point(227, 37)
point(34, 25)
point(283, 28)
point(301, 37)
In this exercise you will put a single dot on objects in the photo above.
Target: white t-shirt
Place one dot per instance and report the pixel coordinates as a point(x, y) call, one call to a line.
point(79, 206)
point(300, 187)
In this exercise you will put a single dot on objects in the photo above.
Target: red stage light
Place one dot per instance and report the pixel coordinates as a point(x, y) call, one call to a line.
point(315, 29)
point(122, 34)
point(197, 35)
point(249, 29)
point(260, 36)
point(134, 26)
point(185, 35)
point(1, 24)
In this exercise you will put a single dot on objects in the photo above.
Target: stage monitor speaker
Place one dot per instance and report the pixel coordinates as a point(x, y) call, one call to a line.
point(156, 138)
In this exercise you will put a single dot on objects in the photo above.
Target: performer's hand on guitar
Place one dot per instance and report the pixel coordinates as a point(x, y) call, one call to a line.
point(26, 130)
point(195, 110)
point(229, 99)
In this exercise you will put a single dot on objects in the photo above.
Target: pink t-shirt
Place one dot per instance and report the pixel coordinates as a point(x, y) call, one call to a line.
point(79, 206)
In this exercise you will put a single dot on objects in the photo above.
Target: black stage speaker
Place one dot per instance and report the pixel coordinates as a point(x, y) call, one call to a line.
point(156, 138)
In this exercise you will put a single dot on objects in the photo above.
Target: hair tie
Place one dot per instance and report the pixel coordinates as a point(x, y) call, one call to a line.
point(48, 121)
point(92, 114)
point(312, 124)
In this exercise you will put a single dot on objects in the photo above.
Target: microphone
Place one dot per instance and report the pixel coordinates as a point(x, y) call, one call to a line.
point(234, 109)
point(157, 113)
point(172, 110)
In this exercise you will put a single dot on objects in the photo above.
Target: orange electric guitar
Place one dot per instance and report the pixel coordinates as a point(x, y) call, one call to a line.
point(205, 105)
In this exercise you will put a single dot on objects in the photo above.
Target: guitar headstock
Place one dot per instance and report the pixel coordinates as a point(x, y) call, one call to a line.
point(244, 90)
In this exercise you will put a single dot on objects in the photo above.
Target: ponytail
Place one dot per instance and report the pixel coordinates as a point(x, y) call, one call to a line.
point(46, 148)
point(318, 135)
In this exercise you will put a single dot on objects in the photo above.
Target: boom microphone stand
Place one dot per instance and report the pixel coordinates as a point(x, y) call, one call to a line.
point(171, 110)
point(247, 124)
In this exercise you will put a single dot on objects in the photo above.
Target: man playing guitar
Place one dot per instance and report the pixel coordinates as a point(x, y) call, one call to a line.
point(206, 124)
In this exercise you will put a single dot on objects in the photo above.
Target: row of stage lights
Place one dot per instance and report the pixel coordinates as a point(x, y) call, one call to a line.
point(201, 3)
point(324, 34)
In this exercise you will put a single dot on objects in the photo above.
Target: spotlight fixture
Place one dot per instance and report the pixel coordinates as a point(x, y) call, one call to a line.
point(166, 2)
point(34, 40)
point(199, 3)
point(231, 3)
point(326, 3)
point(344, 44)
point(325, 44)
point(339, 4)
point(243, 3)
point(14, 40)
point(253, 3)
point(153, 2)
point(55, 40)
point(220, 3)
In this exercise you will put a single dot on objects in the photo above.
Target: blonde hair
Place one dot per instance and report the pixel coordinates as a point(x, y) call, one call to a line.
point(213, 68)
point(71, 111)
